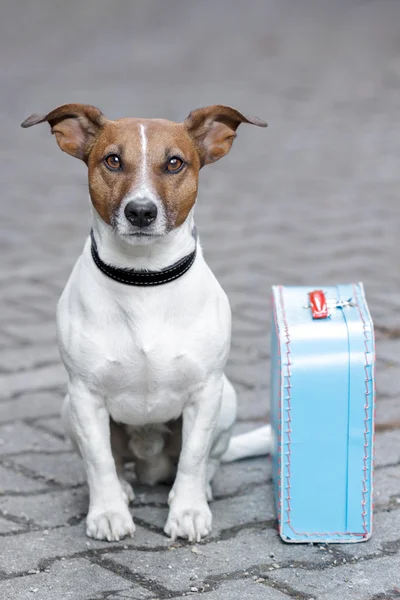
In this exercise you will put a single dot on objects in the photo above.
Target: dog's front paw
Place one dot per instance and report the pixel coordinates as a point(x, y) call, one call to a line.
point(110, 525)
point(191, 520)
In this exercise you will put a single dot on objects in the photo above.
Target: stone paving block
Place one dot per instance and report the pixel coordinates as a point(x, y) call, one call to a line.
point(248, 333)
point(70, 579)
point(22, 269)
point(7, 341)
point(388, 382)
point(44, 304)
point(30, 406)
point(388, 412)
point(66, 469)
point(245, 322)
point(389, 350)
point(35, 549)
point(386, 486)
point(51, 509)
point(8, 526)
point(255, 507)
point(235, 477)
point(23, 290)
point(363, 580)
point(255, 375)
point(239, 590)
point(241, 353)
point(130, 595)
point(33, 333)
point(10, 481)
point(43, 378)
point(28, 357)
point(249, 551)
point(11, 312)
point(387, 448)
point(54, 425)
point(18, 437)
point(255, 309)
point(252, 403)
point(385, 537)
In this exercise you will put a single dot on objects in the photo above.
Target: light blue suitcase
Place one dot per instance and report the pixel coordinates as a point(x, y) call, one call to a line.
point(322, 413)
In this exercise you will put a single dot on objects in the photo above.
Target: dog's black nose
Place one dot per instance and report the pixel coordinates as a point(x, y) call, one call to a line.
point(141, 213)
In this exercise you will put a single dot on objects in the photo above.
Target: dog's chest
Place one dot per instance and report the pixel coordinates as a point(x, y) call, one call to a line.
point(147, 366)
point(145, 351)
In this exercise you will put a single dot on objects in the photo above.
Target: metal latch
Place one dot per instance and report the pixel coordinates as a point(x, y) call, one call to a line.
point(320, 305)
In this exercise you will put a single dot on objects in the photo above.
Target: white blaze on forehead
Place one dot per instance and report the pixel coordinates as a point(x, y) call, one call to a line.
point(143, 187)
point(143, 144)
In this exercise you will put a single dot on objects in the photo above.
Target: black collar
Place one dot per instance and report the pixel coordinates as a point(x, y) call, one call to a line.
point(143, 278)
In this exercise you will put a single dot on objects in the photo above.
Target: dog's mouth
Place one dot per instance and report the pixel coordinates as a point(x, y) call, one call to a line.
point(141, 234)
point(141, 237)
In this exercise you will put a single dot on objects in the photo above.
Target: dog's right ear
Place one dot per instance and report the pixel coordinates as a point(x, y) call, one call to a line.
point(76, 126)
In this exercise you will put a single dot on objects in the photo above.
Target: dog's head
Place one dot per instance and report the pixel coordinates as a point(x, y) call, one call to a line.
point(143, 173)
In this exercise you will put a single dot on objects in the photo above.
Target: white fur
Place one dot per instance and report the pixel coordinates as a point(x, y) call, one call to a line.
point(143, 144)
point(146, 356)
point(253, 443)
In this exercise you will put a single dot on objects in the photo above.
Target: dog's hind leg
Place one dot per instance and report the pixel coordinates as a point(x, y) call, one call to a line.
point(67, 424)
point(222, 434)
point(212, 468)
point(158, 469)
point(152, 448)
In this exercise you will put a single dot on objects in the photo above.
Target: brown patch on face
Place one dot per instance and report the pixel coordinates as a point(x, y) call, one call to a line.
point(163, 141)
point(107, 187)
point(178, 191)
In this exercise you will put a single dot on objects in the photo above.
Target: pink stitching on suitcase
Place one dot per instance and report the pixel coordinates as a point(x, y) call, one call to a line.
point(279, 507)
point(367, 341)
point(366, 407)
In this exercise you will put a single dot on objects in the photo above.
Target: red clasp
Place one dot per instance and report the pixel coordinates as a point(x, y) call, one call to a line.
point(319, 306)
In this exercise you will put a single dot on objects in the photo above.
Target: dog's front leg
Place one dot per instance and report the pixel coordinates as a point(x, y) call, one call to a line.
point(189, 514)
point(87, 420)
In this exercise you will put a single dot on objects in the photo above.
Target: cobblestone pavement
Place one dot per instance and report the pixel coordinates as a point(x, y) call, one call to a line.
point(314, 198)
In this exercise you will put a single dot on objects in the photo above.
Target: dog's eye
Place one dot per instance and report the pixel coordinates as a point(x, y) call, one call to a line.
point(175, 164)
point(113, 162)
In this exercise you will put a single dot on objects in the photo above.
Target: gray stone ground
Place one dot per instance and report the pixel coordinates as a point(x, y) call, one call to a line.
point(314, 198)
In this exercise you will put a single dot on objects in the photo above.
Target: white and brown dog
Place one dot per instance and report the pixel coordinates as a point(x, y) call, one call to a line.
point(144, 327)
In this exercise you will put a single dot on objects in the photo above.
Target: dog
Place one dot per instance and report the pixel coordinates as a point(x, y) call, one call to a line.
point(144, 327)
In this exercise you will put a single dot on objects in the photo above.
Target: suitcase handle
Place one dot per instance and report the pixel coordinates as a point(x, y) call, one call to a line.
point(318, 304)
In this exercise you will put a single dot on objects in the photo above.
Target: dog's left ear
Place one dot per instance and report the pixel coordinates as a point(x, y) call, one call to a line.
point(75, 126)
point(213, 130)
